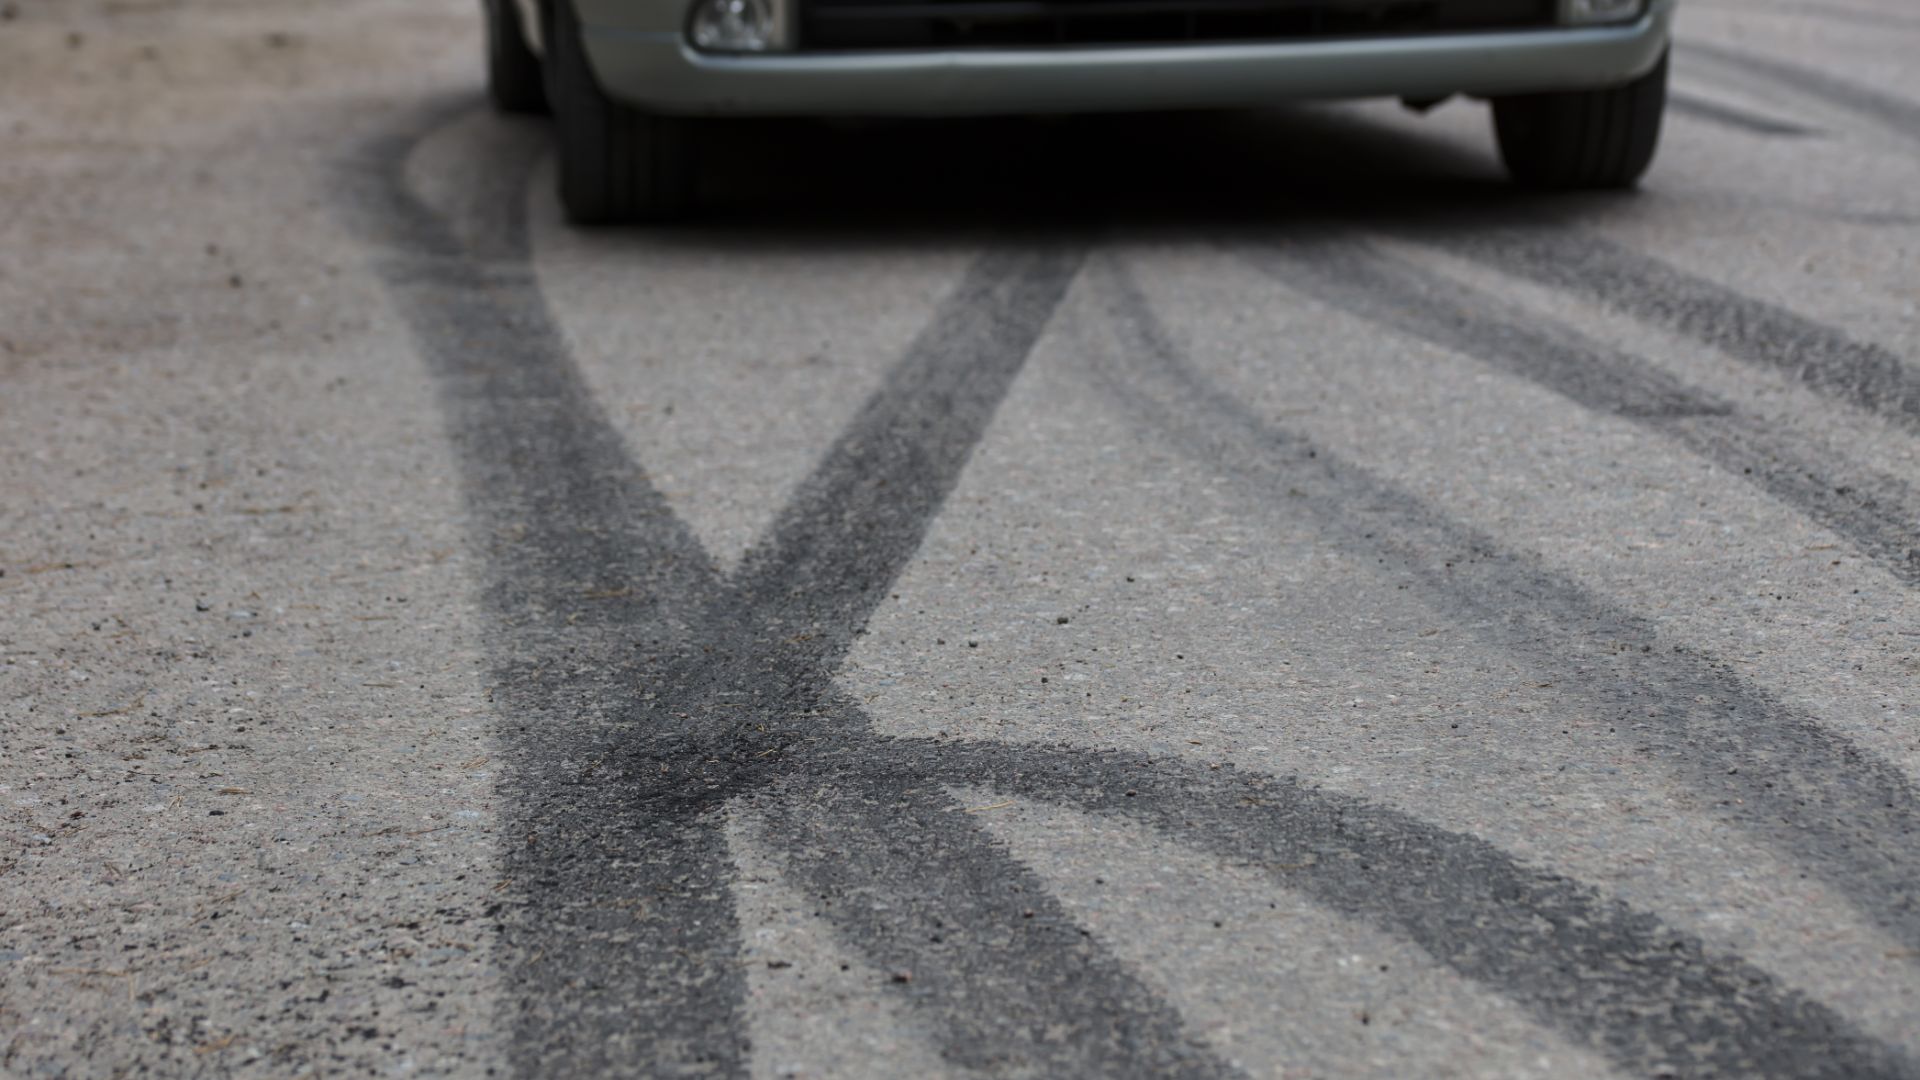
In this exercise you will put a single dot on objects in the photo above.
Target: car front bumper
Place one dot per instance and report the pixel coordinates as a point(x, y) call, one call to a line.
point(641, 57)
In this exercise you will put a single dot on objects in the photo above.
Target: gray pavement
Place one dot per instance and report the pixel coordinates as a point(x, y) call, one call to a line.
point(1202, 596)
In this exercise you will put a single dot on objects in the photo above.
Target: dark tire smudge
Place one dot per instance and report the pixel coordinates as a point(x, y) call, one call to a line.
point(641, 695)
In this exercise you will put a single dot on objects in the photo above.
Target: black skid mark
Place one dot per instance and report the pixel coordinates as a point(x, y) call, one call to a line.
point(969, 935)
point(1874, 511)
point(644, 694)
point(1648, 997)
point(780, 625)
point(1898, 115)
point(1820, 357)
point(1745, 121)
point(640, 696)
point(850, 529)
point(1806, 791)
point(1540, 241)
point(616, 916)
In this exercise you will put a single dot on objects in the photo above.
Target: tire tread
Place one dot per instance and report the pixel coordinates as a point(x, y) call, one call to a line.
point(617, 164)
point(1585, 138)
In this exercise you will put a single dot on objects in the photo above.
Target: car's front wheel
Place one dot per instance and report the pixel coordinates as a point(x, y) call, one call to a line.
point(617, 164)
point(1583, 138)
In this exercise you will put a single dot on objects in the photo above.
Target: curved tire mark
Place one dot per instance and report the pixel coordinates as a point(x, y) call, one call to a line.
point(1745, 121)
point(971, 936)
point(640, 694)
point(1874, 511)
point(1897, 114)
point(1819, 357)
point(1793, 784)
point(1650, 998)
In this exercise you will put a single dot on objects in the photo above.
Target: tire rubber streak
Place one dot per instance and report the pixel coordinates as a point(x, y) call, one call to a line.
point(1898, 115)
point(1878, 513)
point(1738, 119)
point(1647, 996)
point(641, 696)
point(618, 924)
point(1819, 357)
point(1815, 796)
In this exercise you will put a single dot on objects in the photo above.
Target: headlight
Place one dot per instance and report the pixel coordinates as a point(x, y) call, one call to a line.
point(1589, 12)
point(747, 26)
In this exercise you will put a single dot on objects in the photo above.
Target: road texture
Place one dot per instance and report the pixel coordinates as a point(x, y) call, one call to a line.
point(1207, 596)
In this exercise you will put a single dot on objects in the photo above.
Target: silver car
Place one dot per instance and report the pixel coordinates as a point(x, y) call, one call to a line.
point(1578, 86)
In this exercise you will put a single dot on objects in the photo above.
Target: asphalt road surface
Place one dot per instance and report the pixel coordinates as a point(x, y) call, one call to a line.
point(1215, 596)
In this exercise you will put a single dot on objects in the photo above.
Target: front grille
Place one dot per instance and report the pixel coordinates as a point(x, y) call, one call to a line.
point(950, 24)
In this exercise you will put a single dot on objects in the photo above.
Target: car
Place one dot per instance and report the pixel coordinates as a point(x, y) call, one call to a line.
point(1578, 87)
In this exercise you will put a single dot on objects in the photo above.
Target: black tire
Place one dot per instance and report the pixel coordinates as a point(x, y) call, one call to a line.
point(1583, 138)
point(514, 79)
point(617, 164)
